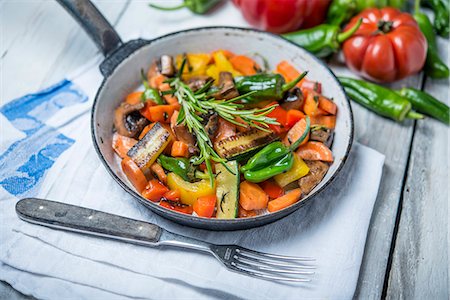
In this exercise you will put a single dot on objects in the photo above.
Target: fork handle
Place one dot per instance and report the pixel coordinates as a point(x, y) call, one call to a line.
point(84, 220)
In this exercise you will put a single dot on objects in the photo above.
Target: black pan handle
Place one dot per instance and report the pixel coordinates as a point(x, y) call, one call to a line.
point(94, 23)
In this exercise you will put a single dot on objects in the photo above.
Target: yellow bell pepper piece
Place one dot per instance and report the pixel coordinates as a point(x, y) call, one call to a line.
point(213, 72)
point(196, 64)
point(189, 191)
point(223, 65)
point(298, 170)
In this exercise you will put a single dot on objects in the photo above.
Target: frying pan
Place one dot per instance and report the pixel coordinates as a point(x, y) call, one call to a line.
point(121, 70)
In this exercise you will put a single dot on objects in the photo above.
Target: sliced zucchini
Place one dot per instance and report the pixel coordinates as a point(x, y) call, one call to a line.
point(242, 143)
point(147, 150)
point(227, 191)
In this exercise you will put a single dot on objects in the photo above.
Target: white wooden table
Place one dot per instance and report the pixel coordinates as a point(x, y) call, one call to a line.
point(407, 249)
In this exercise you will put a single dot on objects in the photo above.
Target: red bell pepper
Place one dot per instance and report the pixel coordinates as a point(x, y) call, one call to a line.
point(280, 115)
point(281, 16)
point(176, 206)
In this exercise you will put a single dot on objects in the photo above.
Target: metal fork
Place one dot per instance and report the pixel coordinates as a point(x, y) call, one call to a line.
point(88, 221)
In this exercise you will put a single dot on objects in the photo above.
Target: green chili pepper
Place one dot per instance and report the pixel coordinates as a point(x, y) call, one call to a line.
point(427, 104)
point(196, 6)
point(266, 156)
point(434, 66)
point(341, 11)
point(280, 166)
point(179, 166)
point(379, 99)
point(322, 40)
point(149, 92)
point(264, 86)
point(273, 159)
point(441, 16)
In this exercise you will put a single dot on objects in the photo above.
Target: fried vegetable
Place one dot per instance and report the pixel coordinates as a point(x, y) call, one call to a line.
point(252, 196)
point(284, 201)
point(227, 192)
point(147, 150)
point(317, 171)
point(128, 121)
point(189, 191)
point(243, 142)
point(298, 170)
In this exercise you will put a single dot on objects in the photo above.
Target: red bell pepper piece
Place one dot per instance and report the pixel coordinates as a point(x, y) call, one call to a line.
point(154, 191)
point(176, 206)
point(283, 15)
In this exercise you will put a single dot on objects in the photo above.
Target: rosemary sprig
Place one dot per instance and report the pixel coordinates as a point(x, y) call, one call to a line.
point(196, 104)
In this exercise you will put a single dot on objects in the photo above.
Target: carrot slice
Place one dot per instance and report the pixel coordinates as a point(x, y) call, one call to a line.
point(204, 206)
point(286, 70)
point(295, 133)
point(157, 80)
point(284, 201)
point(311, 104)
point(174, 195)
point(134, 174)
point(244, 64)
point(145, 130)
point(159, 113)
point(169, 98)
point(159, 171)
point(315, 151)
point(272, 189)
point(179, 149)
point(289, 73)
point(154, 191)
point(122, 144)
point(134, 98)
point(252, 196)
point(327, 105)
point(327, 121)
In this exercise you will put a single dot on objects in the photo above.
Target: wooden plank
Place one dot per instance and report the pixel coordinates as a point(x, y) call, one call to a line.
point(40, 44)
point(420, 265)
point(393, 140)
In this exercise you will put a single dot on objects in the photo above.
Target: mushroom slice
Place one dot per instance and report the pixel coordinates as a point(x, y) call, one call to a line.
point(227, 89)
point(182, 134)
point(128, 121)
point(197, 82)
point(167, 67)
point(317, 170)
point(293, 99)
point(212, 125)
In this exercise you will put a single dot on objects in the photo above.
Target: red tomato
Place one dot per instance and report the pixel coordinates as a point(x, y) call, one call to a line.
point(281, 16)
point(387, 47)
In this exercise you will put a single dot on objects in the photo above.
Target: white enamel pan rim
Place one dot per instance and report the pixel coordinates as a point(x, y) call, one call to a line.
point(220, 224)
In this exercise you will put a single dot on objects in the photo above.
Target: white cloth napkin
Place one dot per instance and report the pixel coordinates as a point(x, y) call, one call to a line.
point(47, 152)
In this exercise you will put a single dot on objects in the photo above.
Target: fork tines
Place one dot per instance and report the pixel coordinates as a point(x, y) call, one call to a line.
point(271, 266)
